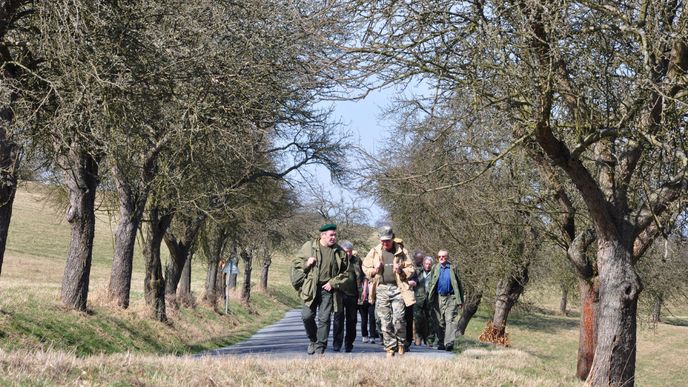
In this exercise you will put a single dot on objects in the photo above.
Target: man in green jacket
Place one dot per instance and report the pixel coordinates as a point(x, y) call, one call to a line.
point(445, 295)
point(324, 265)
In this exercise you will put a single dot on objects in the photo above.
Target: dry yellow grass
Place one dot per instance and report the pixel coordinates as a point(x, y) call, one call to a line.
point(474, 367)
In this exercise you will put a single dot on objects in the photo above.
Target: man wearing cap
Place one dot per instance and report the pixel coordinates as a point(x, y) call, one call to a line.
point(346, 317)
point(324, 265)
point(445, 295)
point(389, 268)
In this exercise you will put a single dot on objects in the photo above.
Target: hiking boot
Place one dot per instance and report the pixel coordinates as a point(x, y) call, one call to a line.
point(441, 347)
point(365, 339)
point(390, 353)
point(372, 340)
point(449, 348)
point(311, 348)
point(418, 341)
point(348, 349)
point(402, 350)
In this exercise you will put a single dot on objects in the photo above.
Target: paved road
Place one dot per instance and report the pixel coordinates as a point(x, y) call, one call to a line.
point(287, 338)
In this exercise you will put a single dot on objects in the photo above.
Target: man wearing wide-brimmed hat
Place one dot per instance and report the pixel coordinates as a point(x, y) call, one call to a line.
point(324, 266)
point(389, 268)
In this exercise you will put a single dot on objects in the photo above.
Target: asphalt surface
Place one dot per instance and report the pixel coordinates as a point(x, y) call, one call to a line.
point(287, 339)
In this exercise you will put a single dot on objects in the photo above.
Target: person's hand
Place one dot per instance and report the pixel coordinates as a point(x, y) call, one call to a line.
point(460, 306)
point(327, 287)
point(412, 283)
point(310, 262)
point(396, 268)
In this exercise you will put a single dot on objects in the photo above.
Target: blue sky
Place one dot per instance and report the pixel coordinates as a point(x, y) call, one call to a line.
point(368, 129)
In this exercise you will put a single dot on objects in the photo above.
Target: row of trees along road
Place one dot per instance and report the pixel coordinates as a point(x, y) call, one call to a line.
point(186, 117)
point(592, 93)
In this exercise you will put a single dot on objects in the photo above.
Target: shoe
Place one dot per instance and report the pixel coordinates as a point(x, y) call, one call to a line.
point(449, 348)
point(365, 339)
point(418, 341)
point(372, 341)
point(402, 350)
point(441, 347)
point(348, 349)
point(311, 348)
point(337, 349)
point(390, 353)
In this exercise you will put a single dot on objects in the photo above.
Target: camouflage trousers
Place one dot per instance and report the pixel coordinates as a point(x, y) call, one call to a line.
point(389, 306)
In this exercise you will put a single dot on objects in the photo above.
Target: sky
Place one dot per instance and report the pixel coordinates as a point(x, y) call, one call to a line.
point(363, 120)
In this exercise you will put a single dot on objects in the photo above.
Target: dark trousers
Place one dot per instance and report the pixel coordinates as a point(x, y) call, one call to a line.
point(408, 316)
point(318, 333)
point(348, 314)
point(367, 321)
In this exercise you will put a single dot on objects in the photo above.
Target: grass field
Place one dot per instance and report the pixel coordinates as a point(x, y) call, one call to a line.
point(41, 343)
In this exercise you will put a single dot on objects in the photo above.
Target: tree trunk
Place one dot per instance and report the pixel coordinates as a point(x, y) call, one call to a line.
point(181, 249)
point(469, 310)
point(184, 288)
point(657, 308)
point(131, 206)
point(154, 283)
point(247, 257)
point(265, 269)
point(211, 289)
point(9, 165)
point(587, 339)
point(82, 181)
point(564, 299)
point(509, 289)
point(614, 362)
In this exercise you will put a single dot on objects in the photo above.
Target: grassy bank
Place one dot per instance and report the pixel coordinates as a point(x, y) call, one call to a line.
point(31, 316)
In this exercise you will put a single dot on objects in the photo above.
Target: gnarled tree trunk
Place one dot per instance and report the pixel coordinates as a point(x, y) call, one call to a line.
point(184, 289)
point(509, 289)
point(247, 257)
point(587, 335)
point(154, 283)
point(9, 164)
point(265, 269)
point(615, 354)
point(181, 249)
point(132, 202)
point(82, 181)
point(563, 301)
point(470, 308)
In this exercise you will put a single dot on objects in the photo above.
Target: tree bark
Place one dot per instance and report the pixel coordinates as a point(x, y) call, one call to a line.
point(265, 269)
point(563, 301)
point(9, 165)
point(131, 207)
point(470, 308)
point(181, 249)
point(509, 289)
point(185, 296)
point(657, 308)
point(587, 334)
point(247, 257)
point(615, 354)
point(211, 282)
point(154, 283)
point(82, 181)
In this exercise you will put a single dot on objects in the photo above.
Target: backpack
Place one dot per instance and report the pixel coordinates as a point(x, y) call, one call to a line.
point(296, 276)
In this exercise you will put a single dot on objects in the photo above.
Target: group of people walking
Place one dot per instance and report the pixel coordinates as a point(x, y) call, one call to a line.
point(396, 294)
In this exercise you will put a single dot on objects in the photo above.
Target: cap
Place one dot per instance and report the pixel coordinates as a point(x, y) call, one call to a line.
point(327, 227)
point(386, 233)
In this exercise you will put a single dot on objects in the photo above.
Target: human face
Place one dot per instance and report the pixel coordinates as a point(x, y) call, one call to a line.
point(349, 252)
point(328, 238)
point(387, 245)
point(443, 256)
point(418, 259)
point(427, 265)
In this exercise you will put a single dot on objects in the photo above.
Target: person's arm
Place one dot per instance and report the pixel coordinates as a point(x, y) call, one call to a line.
point(369, 265)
